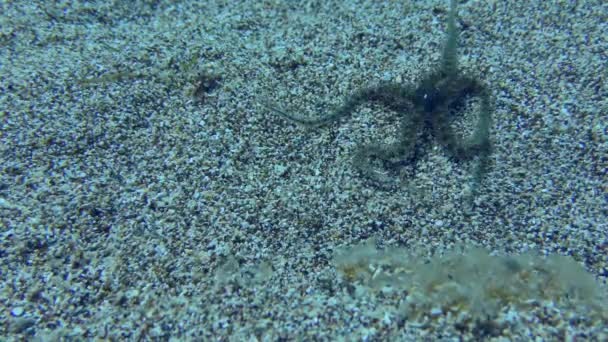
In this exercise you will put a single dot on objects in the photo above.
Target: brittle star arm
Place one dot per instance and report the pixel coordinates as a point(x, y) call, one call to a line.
point(456, 145)
point(389, 155)
point(391, 95)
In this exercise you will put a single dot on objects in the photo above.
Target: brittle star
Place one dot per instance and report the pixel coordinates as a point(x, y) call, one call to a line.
point(426, 106)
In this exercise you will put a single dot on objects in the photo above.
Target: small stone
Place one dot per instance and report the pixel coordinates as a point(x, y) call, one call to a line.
point(17, 311)
point(280, 170)
point(436, 312)
point(5, 204)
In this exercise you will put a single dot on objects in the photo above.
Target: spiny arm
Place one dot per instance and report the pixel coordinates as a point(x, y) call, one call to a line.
point(393, 96)
point(450, 56)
